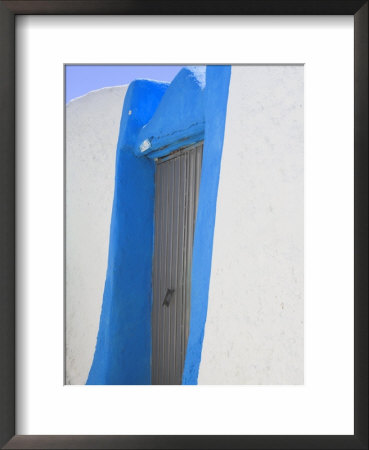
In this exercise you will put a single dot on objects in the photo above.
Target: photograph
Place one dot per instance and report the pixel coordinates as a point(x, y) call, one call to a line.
point(184, 224)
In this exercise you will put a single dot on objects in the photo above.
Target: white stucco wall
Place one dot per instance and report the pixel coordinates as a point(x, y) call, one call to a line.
point(92, 127)
point(254, 328)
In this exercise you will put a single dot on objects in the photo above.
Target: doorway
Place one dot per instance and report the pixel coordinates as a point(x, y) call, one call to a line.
point(177, 182)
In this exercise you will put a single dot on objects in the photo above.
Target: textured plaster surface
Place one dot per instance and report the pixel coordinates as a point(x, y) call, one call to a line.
point(255, 322)
point(215, 107)
point(123, 347)
point(179, 118)
point(92, 127)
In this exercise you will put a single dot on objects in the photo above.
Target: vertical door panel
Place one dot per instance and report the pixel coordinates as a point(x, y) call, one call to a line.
point(177, 182)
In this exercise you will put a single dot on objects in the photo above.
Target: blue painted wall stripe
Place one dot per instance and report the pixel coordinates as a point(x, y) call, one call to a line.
point(216, 99)
point(123, 349)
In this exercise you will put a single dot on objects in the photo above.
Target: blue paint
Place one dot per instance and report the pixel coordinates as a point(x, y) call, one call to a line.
point(216, 98)
point(179, 119)
point(166, 118)
point(123, 349)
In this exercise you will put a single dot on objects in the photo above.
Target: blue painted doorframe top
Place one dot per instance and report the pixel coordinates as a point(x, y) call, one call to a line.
point(157, 118)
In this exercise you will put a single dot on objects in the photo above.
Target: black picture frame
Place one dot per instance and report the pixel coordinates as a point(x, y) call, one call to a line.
point(8, 12)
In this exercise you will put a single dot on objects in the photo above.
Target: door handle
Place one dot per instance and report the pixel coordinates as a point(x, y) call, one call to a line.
point(168, 297)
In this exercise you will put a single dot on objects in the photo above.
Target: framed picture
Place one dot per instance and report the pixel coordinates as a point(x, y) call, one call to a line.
point(184, 204)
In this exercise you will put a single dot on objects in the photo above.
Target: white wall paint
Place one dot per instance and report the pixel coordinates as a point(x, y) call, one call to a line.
point(92, 127)
point(254, 328)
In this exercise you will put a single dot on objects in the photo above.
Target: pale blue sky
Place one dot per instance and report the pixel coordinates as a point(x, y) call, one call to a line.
point(80, 79)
